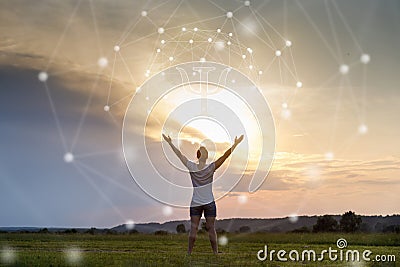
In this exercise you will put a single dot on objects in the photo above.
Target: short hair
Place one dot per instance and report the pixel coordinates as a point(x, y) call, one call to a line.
point(199, 152)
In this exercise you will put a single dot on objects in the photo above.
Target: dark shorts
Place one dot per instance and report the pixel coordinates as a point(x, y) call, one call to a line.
point(210, 210)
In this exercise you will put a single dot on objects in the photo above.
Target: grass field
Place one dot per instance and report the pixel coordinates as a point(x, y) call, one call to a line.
point(20, 249)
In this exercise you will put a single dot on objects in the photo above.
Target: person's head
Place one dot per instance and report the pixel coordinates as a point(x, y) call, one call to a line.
point(202, 153)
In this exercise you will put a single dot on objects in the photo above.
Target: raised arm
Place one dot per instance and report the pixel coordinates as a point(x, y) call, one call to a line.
point(175, 149)
point(227, 153)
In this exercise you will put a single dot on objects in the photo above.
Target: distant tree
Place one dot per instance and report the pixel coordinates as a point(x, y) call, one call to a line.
point(303, 229)
point(275, 229)
point(392, 229)
point(44, 231)
point(220, 231)
point(180, 228)
point(70, 231)
point(379, 227)
point(91, 231)
point(133, 231)
point(325, 223)
point(365, 228)
point(110, 232)
point(350, 222)
point(244, 229)
point(161, 232)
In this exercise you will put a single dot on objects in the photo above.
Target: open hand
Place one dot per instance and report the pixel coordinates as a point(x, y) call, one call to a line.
point(167, 138)
point(238, 139)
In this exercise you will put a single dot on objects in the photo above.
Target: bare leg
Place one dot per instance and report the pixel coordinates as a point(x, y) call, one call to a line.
point(212, 234)
point(194, 220)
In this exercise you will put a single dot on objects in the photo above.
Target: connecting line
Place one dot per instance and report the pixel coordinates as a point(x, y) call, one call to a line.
point(173, 13)
point(318, 31)
point(85, 112)
point(98, 190)
point(335, 117)
point(96, 30)
point(294, 65)
point(272, 45)
point(55, 116)
point(269, 24)
point(63, 35)
point(111, 79)
point(328, 11)
point(347, 26)
point(128, 69)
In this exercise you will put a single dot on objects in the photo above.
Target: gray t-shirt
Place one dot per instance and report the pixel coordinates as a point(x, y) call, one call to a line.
point(202, 182)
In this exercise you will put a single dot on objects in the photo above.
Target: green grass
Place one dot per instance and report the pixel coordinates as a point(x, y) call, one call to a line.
point(170, 250)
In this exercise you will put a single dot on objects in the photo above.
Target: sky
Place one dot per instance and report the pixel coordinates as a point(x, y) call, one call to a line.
point(70, 71)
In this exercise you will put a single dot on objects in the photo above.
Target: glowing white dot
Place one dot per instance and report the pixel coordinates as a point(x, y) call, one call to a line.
point(102, 62)
point(344, 69)
point(43, 76)
point(229, 43)
point(233, 81)
point(329, 156)
point(162, 73)
point(363, 129)
point(293, 218)
point(138, 89)
point(129, 225)
point(247, 3)
point(73, 255)
point(116, 48)
point(299, 84)
point(249, 50)
point(202, 59)
point(230, 34)
point(194, 73)
point(8, 255)
point(158, 50)
point(284, 105)
point(68, 157)
point(171, 58)
point(183, 29)
point(196, 29)
point(218, 30)
point(209, 40)
point(288, 43)
point(144, 13)
point(242, 199)
point(286, 114)
point(147, 98)
point(147, 74)
point(223, 240)
point(147, 71)
point(106, 108)
point(243, 56)
point(190, 41)
point(260, 72)
point(365, 58)
point(167, 211)
point(251, 67)
point(278, 53)
point(160, 30)
point(162, 41)
point(229, 14)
